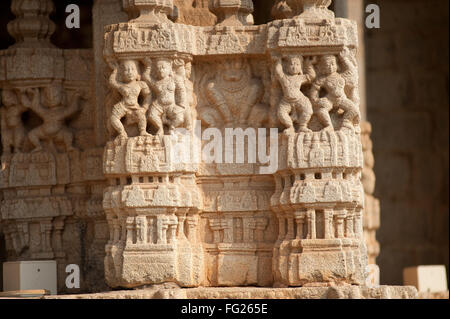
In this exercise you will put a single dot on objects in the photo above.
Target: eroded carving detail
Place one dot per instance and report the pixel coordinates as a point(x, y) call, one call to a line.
point(192, 223)
point(171, 105)
point(298, 74)
point(328, 92)
point(53, 113)
point(130, 88)
point(234, 97)
point(13, 130)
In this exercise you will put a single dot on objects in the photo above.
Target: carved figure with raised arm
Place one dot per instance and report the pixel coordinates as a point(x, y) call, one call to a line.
point(170, 103)
point(13, 131)
point(53, 113)
point(130, 88)
point(294, 105)
point(183, 71)
point(328, 91)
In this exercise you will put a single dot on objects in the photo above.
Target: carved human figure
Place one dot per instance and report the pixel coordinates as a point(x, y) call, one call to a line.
point(130, 88)
point(53, 113)
point(294, 105)
point(328, 90)
point(235, 95)
point(170, 103)
point(349, 72)
point(13, 131)
point(183, 72)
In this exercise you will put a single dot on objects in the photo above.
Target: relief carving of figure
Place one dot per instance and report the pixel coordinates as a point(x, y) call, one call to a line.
point(170, 105)
point(183, 72)
point(130, 88)
point(53, 113)
point(294, 105)
point(328, 91)
point(13, 131)
point(235, 96)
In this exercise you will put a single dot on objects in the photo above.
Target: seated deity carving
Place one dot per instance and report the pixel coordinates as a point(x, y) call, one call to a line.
point(170, 106)
point(234, 96)
point(12, 128)
point(130, 88)
point(53, 112)
point(328, 92)
point(294, 106)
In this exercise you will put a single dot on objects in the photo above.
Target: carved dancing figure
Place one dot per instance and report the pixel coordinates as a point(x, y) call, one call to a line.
point(130, 88)
point(331, 85)
point(13, 131)
point(170, 104)
point(53, 113)
point(183, 73)
point(294, 104)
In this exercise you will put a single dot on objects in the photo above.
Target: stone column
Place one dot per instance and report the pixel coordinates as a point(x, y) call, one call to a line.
point(41, 156)
point(321, 149)
point(371, 216)
point(32, 27)
point(149, 59)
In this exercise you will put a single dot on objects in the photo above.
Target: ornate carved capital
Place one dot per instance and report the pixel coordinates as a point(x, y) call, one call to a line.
point(316, 9)
point(232, 12)
point(149, 11)
point(32, 27)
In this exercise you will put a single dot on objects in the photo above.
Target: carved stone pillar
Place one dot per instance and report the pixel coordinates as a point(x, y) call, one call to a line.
point(32, 27)
point(148, 177)
point(371, 216)
point(47, 157)
point(296, 225)
point(322, 155)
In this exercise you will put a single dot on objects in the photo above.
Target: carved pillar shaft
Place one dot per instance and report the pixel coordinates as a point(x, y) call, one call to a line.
point(281, 228)
point(328, 219)
point(181, 220)
point(32, 27)
point(160, 238)
point(232, 12)
point(349, 225)
point(300, 220)
point(228, 230)
point(130, 229)
point(340, 225)
point(311, 216)
point(290, 228)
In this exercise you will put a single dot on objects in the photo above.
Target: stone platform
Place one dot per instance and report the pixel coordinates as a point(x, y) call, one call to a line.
point(333, 292)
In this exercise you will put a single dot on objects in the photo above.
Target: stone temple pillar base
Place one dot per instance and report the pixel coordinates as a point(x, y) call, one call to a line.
point(332, 292)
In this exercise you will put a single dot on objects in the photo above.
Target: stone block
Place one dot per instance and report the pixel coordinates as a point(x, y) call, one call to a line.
point(426, 278)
